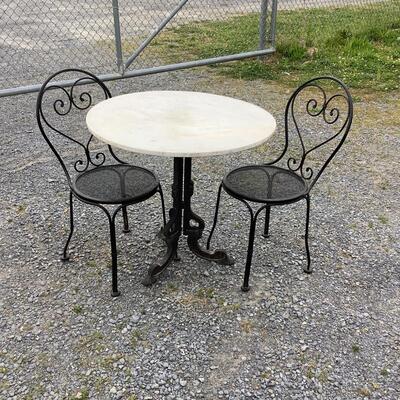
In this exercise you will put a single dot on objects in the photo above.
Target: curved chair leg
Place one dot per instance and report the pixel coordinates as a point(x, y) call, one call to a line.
point(245, 286)
point(307, 269)
point(162, 205)
point(215, 217)
point(114, 268)
point(126, 222)
point(65, 256)
point(266, 223)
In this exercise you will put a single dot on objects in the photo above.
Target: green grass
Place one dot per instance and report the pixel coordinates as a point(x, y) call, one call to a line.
point(205, 293)
point(77, 309)
point(383, 219)
point(82, 394)
point(355, 348)
point(384, 372)
point(136, 337)
point(359, 45)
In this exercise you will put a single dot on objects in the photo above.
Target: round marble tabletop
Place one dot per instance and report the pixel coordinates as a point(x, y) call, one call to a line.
point(180, 124)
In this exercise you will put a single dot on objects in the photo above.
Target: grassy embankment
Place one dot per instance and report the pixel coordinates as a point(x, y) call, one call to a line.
point(359, 45)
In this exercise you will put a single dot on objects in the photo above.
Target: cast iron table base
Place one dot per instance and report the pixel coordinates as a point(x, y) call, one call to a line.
point(191, 225)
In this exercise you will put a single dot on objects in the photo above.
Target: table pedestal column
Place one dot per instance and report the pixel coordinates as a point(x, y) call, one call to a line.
point(192, 225)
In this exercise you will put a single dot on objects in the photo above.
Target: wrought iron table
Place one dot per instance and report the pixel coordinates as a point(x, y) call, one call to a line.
point(181, 125)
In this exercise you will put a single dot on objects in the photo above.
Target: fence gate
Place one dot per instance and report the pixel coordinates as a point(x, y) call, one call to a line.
point(112, 38)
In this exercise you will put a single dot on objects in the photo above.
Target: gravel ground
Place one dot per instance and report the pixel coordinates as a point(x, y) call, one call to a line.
point(334, 334)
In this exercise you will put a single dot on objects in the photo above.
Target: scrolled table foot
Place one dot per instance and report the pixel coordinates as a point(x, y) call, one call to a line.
point(148, 280)
point(219, 256)
point(157, 268)
point(225, 259)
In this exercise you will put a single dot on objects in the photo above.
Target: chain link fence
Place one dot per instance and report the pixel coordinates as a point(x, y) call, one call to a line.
point(38, 37)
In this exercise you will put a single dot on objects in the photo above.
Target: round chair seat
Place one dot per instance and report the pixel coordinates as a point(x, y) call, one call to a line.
point(265, 184)
point(116, 184)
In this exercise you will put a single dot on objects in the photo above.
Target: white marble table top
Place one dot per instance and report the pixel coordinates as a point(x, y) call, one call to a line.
point(180, 124)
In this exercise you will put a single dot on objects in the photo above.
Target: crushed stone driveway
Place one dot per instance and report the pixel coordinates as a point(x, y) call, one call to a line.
point(334, 334)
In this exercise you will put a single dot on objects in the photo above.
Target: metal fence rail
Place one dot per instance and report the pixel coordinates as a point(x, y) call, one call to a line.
point(114, 38)
point(109, 37)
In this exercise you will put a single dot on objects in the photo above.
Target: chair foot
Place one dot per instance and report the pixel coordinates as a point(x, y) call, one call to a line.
point(245, 286)
point(266, 236)
point(64, 258)
point(126, 230)
point(115, 293)
point(307, 269)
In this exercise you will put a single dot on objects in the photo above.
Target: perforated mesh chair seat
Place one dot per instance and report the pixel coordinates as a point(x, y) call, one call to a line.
point(116, 184)
point(265, 184)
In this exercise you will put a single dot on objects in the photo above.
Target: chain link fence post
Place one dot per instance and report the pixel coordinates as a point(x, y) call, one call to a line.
point(263, 24)
point(272, 32)
point(117, 35)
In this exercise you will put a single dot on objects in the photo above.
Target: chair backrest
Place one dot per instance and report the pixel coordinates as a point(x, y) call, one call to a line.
point(67, 135)
point(318, 117)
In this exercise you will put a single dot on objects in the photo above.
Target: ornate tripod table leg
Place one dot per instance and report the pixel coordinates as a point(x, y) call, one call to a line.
point(193, 225)
point(173, 229)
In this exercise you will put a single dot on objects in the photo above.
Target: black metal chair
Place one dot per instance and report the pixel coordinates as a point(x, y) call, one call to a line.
point(321, 107)
point(95, 175)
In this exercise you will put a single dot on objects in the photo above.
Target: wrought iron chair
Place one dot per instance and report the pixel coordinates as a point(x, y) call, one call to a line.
point(321, 107)
point(95, 175)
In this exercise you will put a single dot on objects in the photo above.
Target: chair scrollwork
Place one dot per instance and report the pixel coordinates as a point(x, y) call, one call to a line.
point(58, 100)
point(327, 104)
